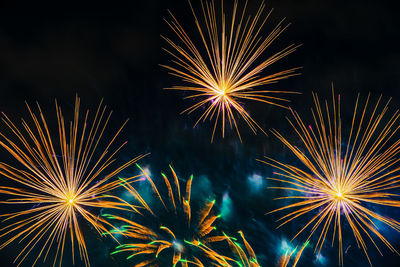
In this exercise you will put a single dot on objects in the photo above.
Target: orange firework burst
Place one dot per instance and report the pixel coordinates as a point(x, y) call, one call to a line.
point(228, 67)
point(343, 178)
point(168, 233)
point(58, 185)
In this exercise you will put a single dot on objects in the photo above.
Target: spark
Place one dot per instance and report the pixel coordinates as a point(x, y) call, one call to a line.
point(228, 66)
point(57, 192)
point(342, 179)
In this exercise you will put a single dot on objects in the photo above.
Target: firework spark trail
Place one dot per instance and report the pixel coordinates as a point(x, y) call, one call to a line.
point(245, 257)
point(58, 189)
point(227, 70)
point(285, 259)
point(342, 177)
point(177, 236)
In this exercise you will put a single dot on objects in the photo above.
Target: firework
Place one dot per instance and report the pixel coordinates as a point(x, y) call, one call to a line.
point(227, 67)
point(168, 234)
point(344, 179)
point(60, 182)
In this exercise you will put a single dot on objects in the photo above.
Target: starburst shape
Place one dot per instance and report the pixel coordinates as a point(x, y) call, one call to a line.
point(342, 181)
point(227, 66)
point(63, 177)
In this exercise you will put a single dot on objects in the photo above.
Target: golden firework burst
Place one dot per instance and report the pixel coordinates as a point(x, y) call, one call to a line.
point(63, 177)
point(343, 179)
point(227, 68)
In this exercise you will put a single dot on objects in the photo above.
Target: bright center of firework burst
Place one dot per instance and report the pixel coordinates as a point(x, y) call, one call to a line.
point(223, 91)
point(70, 201)
point(339, 195)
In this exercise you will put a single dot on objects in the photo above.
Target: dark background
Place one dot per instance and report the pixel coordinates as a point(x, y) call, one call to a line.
point(112, 51)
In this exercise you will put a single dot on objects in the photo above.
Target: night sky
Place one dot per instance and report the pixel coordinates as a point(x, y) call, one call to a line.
point(112, 51)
